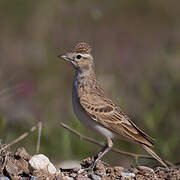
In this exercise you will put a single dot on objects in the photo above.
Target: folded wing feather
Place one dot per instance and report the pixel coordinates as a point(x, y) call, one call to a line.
point(104, 111)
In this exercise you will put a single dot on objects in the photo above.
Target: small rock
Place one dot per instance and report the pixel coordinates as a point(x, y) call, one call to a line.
point(110, 172)
point(127, 175)
point(134, 170)
point(145, 168)
point(81, 177)
point(147, 172)
point(59, 176)
point(118, 170)
point(76, 170)
point(33, 178)
point(66, 178)
point(106, 178)
point(73, 175)
point(58, 172)
point(41, 162)
point(12, 170)
point(80, 171)
point(22, 165)
point(4, 178)
point(86, 162)
point(100, 169)
point(94, 177)
point(21, 153)
point(51, 169)
point(43, 174)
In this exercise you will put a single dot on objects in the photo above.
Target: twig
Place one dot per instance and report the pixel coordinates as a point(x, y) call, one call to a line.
point(18, 139)
point(134, 155)
point(39, 136)
point(102, 144)
point(169, 163)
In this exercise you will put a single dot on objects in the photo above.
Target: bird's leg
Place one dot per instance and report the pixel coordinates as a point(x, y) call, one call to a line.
point(101, 153)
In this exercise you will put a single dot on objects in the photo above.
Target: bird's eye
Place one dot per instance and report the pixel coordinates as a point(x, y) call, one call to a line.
point(78, 56)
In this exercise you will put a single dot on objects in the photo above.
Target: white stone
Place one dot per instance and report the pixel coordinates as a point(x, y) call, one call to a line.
point(40, 161)
point(127, 175)
point(51, 169)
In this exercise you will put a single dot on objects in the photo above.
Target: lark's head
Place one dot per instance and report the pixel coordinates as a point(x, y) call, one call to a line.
point(80, 57)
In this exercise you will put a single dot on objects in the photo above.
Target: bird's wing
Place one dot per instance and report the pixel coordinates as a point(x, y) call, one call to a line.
point(102, 110)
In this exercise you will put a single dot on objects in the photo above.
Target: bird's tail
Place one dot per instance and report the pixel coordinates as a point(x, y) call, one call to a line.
point(150, 151)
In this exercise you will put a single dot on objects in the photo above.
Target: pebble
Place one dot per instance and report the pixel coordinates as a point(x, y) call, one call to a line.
point(73, 175)
point(11, 169)
point(134, 170)
point(118, 170)
point(21, 153)
point(127, 175)
point(33, 178)
point(94, 177)
point(4, 178)
point(81, 177)
point(145, 168)
point(41, 162)
point(66, 178)
point(51, 169)
point(100, 169)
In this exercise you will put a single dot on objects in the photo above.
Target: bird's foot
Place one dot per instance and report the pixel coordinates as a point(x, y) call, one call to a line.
point(91, 167)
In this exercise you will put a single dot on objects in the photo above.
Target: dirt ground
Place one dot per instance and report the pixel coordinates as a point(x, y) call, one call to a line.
point(16, 166)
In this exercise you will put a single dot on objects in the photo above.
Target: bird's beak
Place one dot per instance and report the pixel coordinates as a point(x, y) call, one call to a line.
point(65, 57)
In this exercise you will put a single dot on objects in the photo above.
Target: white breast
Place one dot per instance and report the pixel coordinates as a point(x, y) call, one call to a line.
point(83, 117)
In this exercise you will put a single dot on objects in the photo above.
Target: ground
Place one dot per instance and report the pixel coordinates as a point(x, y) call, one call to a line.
point(16, 166)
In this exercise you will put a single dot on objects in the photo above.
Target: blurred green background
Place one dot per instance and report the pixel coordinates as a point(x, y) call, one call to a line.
point(136, 45)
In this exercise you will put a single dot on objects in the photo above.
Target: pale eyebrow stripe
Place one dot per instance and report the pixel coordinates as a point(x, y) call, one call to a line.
point(86, 56)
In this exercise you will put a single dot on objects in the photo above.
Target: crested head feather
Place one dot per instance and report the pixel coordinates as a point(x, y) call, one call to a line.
point(83, 48)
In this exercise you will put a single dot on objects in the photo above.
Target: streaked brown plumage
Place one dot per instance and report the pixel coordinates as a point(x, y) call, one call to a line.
point(96, 111)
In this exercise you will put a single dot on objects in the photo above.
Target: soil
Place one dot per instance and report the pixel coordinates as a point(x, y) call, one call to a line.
point(16, 166)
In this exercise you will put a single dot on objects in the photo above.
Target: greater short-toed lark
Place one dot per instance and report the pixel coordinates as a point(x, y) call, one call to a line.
point(96, 111)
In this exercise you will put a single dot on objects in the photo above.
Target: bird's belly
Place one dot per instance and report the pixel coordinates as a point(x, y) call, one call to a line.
point(86, 120)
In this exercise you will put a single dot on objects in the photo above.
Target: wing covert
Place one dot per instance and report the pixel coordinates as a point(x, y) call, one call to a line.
point(103, 111)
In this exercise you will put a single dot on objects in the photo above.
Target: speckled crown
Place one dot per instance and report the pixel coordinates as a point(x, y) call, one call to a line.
point(83, 48)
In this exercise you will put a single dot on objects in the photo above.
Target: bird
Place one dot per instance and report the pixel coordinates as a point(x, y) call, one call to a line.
point(96, 111)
